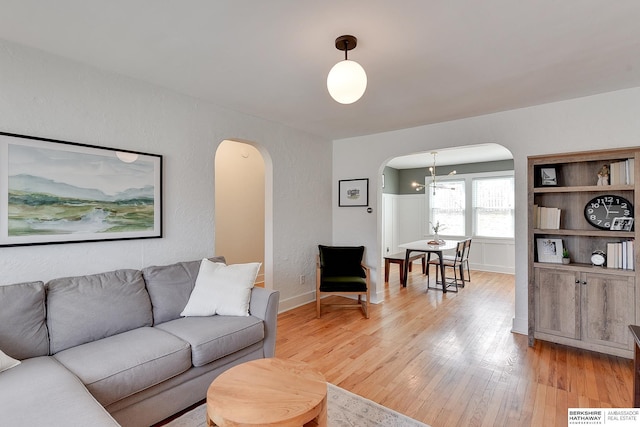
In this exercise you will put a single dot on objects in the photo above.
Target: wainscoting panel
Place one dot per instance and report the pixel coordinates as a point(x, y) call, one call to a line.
point(497, 255)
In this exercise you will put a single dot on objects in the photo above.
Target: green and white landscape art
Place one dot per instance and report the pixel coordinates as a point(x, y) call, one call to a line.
point(63, 192)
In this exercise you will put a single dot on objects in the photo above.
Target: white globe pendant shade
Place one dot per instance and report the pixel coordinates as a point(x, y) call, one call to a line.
point(126, 157)
point(347, 82)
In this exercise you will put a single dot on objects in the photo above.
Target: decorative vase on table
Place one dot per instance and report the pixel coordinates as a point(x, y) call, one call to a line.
point(436, 233)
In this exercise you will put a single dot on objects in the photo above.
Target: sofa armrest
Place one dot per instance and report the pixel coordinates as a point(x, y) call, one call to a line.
point(264, 305)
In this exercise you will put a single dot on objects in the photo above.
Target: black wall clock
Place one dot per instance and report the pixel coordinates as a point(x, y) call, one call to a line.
point(602, 210)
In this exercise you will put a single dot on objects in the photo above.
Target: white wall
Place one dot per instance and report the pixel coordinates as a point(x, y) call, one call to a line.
point(595, 122)
point(47, 96)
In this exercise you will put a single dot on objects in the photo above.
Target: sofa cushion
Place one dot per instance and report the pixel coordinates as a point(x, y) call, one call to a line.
point(23, 327)
point(222, 289)
point(170, 286)
point(87, 308)
point(217, 336)
point(40, 391)
point(120, 365)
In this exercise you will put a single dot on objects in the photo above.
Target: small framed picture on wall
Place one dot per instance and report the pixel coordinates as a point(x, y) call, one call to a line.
point(353, 192)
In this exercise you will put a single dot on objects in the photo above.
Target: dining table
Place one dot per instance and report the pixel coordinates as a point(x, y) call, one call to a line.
point(429, 247)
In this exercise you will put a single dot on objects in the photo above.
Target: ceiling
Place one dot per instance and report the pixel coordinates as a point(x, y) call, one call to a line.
point(427, 61)
point(452, 156)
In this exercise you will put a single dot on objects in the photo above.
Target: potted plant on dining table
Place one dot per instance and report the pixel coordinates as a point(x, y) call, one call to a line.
point(437, 227)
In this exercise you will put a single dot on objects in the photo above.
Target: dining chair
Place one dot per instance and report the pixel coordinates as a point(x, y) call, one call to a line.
point(340, 271)
point(464, 263)
point(455, 263)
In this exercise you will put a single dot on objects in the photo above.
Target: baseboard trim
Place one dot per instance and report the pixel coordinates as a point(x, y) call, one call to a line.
point(296, 301)
point(520, 326)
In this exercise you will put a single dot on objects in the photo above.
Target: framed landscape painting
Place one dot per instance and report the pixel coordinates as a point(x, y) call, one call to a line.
point(55, 191)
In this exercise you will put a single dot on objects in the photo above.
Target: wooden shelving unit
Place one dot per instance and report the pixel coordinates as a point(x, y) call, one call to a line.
point(579, 304)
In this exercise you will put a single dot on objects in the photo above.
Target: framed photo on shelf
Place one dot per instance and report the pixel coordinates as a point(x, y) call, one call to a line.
point(622, 224)
point(550, 250)
point(548, 176)
point(353, 192)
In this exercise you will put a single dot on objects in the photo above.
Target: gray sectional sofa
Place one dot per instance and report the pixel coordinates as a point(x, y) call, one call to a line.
point(112, 349)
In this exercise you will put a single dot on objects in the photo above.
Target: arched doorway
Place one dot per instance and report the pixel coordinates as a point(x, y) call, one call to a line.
point(406, 208)
point(240, 205)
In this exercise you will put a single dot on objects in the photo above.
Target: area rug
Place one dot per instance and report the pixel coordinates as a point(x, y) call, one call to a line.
point(344, 409)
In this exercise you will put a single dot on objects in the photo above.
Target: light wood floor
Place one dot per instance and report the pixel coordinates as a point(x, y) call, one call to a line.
point(451, 360)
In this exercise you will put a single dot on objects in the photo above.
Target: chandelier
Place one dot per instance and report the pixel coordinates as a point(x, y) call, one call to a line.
point(434, 184)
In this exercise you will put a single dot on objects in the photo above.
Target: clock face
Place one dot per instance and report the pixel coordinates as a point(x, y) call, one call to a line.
point(602, 210)
point(598, 258)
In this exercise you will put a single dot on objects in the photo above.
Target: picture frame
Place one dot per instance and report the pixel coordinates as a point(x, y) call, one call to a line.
point(54, 191)
point(622, 224)
point(548, 176)
point(549, 250)
point(353, 192)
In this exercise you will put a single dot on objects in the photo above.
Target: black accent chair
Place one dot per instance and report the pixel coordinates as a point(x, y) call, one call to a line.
point(340, 271)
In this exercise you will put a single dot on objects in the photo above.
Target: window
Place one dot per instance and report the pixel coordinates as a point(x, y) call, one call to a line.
point(448, 207)
point(493, 206)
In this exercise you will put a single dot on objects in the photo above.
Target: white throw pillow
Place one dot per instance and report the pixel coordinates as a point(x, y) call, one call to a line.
point(222, 289)
point(7, 362)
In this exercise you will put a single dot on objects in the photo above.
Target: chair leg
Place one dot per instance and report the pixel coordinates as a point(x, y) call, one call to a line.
point(364, 305)
point(368, 295)
point(468, 271)
point(451, 282)
point(438, 280)
point(318, 279)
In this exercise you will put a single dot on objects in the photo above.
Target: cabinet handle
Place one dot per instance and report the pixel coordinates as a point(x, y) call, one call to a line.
point(577, 281)
point(584, 282)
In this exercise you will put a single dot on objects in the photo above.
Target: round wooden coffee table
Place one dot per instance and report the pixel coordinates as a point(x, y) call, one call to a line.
point(268, 392)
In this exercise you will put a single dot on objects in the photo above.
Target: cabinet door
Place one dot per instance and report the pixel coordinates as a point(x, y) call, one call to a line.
point(608, 309)
point(557, 302)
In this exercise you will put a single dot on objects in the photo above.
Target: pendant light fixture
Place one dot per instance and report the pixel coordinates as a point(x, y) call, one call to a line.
point(434, 184)
point(347, 80)
point(126, 157)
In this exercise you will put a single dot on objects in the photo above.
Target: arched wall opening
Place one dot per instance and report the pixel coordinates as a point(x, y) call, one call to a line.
point(404, 212)
point(243, 206)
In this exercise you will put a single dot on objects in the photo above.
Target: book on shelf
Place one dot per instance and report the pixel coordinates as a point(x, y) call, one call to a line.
point(622, 172)
point(546, 218)
point(620, 255)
